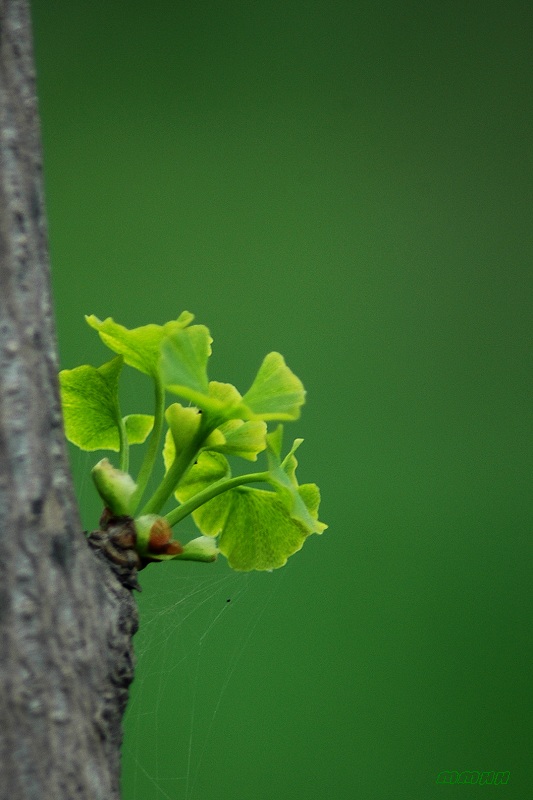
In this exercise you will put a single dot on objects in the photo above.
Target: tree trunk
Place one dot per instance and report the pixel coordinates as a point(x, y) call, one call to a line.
point(66, 619)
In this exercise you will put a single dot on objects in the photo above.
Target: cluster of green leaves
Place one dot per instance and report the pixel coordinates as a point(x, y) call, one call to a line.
point(255, 528)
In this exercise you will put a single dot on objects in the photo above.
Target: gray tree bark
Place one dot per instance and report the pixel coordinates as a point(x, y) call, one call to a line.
point(66, 619)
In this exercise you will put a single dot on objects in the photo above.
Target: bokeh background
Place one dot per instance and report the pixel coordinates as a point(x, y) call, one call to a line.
point(349, 183)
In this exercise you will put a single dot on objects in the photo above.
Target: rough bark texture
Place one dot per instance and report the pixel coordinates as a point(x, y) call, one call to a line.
point(66, 620)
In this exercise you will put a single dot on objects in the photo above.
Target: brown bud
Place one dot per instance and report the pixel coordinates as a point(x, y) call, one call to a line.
point(160, 534)
point(173, 548)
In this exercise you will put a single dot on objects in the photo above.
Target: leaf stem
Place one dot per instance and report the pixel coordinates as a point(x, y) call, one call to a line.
point(183, 461)
point(124, 446)
point(153, 445)
point(177, 514)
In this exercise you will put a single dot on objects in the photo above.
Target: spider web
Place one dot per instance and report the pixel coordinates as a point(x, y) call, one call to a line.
point(197, 625)
point(194, 632)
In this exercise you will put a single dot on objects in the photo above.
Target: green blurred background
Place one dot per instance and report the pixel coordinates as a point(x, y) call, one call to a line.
point(349, 183)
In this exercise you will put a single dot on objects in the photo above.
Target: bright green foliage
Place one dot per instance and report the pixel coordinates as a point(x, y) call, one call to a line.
point(238, 438)
point(139, 346)
point(91, 411)
point(258, 529)
point(276, 392)
point(184, 362)
point(255, 528)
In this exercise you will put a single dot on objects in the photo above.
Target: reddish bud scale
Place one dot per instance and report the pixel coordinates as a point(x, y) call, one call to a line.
point(173, 548)
point(160, 539)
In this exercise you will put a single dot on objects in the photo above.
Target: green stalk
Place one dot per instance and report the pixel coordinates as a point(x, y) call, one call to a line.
point(124, 447)
point(179, 467)
point(153, 445)
point(177, 514)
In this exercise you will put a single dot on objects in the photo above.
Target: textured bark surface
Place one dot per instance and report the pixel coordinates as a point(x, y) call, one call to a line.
point(66, 620)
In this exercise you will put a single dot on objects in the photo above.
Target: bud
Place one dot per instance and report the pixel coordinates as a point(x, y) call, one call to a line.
point(204, 548)
point(154, 537)
point(116, 488)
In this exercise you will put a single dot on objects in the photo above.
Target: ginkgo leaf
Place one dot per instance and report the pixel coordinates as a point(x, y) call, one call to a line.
point(184, 356)
point(89, 397)
point(91, 413)
point(139, 346)
point(276, 392)
point(257, 529)
point(219, 403)
point(209, 468)
point(254, 526)
point(138, 426)
point(282, 476)
point(238, 438)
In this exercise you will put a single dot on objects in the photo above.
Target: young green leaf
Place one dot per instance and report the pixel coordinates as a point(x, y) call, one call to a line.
point(276, 392)
point(238, 438)
point(257, 529)
point(89, 397)
point(223, 402)
point(282, 476)
point(210, 467)
point(254, 526)
point(138, 426)
point(139, 346)
point(184, 356)
point(219, 403)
